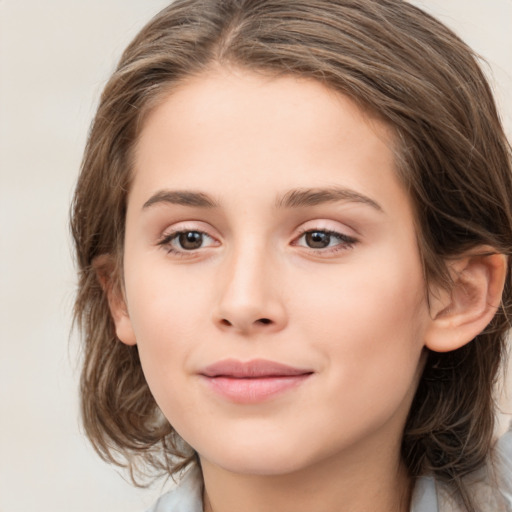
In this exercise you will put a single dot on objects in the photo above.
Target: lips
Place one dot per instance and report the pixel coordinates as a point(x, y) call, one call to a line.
point(253, 381)
point(256, 368)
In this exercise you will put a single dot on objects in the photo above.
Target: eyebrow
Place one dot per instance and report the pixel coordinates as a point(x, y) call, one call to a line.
point(181, 197)
point(296, 198)
point(301, 197)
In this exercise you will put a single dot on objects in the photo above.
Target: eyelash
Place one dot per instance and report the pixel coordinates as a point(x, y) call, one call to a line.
point(167, 240)
point(345, 242)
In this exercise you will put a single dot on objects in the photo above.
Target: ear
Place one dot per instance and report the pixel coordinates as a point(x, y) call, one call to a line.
point(107, 274)
point(464, 311)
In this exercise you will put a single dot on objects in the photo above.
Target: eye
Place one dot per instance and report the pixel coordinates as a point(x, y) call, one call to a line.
point(320, 239)
point(186, 241)
point(189, 240)
point(317, 239)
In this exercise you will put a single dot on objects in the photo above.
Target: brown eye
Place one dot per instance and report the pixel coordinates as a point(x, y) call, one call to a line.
point(324, 241)
point(187, 241)
point(317, 239)
point(190, 240)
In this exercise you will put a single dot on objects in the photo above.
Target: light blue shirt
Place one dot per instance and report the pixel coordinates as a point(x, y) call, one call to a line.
point(428, 496)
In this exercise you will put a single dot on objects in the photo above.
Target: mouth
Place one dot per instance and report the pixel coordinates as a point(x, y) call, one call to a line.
point(253, 381)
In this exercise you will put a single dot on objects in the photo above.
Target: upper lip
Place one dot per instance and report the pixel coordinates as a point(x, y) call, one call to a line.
point(257, 368)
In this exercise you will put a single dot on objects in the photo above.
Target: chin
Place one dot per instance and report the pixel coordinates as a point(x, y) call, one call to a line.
point(253, 458)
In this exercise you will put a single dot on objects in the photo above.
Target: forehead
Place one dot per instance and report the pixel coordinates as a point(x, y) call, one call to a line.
point(235, 130)
point(261, 99)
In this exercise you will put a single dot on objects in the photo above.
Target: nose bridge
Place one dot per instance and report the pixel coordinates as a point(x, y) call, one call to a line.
point(249, 294)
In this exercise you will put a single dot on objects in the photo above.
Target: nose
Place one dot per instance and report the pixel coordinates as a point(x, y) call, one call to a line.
point(251, 293)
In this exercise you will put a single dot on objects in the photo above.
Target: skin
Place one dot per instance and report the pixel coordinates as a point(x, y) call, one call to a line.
point(353, 313)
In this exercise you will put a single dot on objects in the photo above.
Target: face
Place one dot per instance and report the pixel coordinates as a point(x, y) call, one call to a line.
point(273, 282)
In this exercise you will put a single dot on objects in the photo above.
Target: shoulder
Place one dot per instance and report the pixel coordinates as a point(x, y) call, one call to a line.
point(490, 487)
point(504, 467)
point(185, 497)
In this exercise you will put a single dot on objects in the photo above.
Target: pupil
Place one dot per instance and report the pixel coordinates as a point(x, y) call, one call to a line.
point(318, 239)
point(191, 240)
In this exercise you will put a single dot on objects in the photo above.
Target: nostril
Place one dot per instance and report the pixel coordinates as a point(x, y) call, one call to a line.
point(261, 321)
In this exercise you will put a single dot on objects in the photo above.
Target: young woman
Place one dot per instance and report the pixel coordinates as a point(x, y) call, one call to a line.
point(293, 227)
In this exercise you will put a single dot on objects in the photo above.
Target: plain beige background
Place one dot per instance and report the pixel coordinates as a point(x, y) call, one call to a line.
point(55, 56)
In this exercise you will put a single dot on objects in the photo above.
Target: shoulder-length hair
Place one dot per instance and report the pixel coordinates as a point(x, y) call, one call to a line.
point(452, 157)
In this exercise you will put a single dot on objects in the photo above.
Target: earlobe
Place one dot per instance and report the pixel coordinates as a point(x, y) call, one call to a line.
point(459, 314)
point(107, 275)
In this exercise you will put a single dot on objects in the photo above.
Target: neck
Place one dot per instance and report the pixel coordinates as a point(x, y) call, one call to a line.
point(334, 485)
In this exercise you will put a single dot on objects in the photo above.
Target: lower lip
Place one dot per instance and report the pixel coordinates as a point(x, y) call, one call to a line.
point(254, 390)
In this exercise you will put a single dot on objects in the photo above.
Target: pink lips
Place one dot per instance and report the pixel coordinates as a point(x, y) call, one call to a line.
point(253, 381)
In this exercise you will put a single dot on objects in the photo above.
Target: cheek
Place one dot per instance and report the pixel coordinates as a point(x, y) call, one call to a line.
point(166, 316)
point(363, 297)
point(370, 326)
point(162, 302)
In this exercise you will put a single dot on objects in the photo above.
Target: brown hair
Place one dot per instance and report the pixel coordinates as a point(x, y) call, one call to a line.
point(389, 57)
